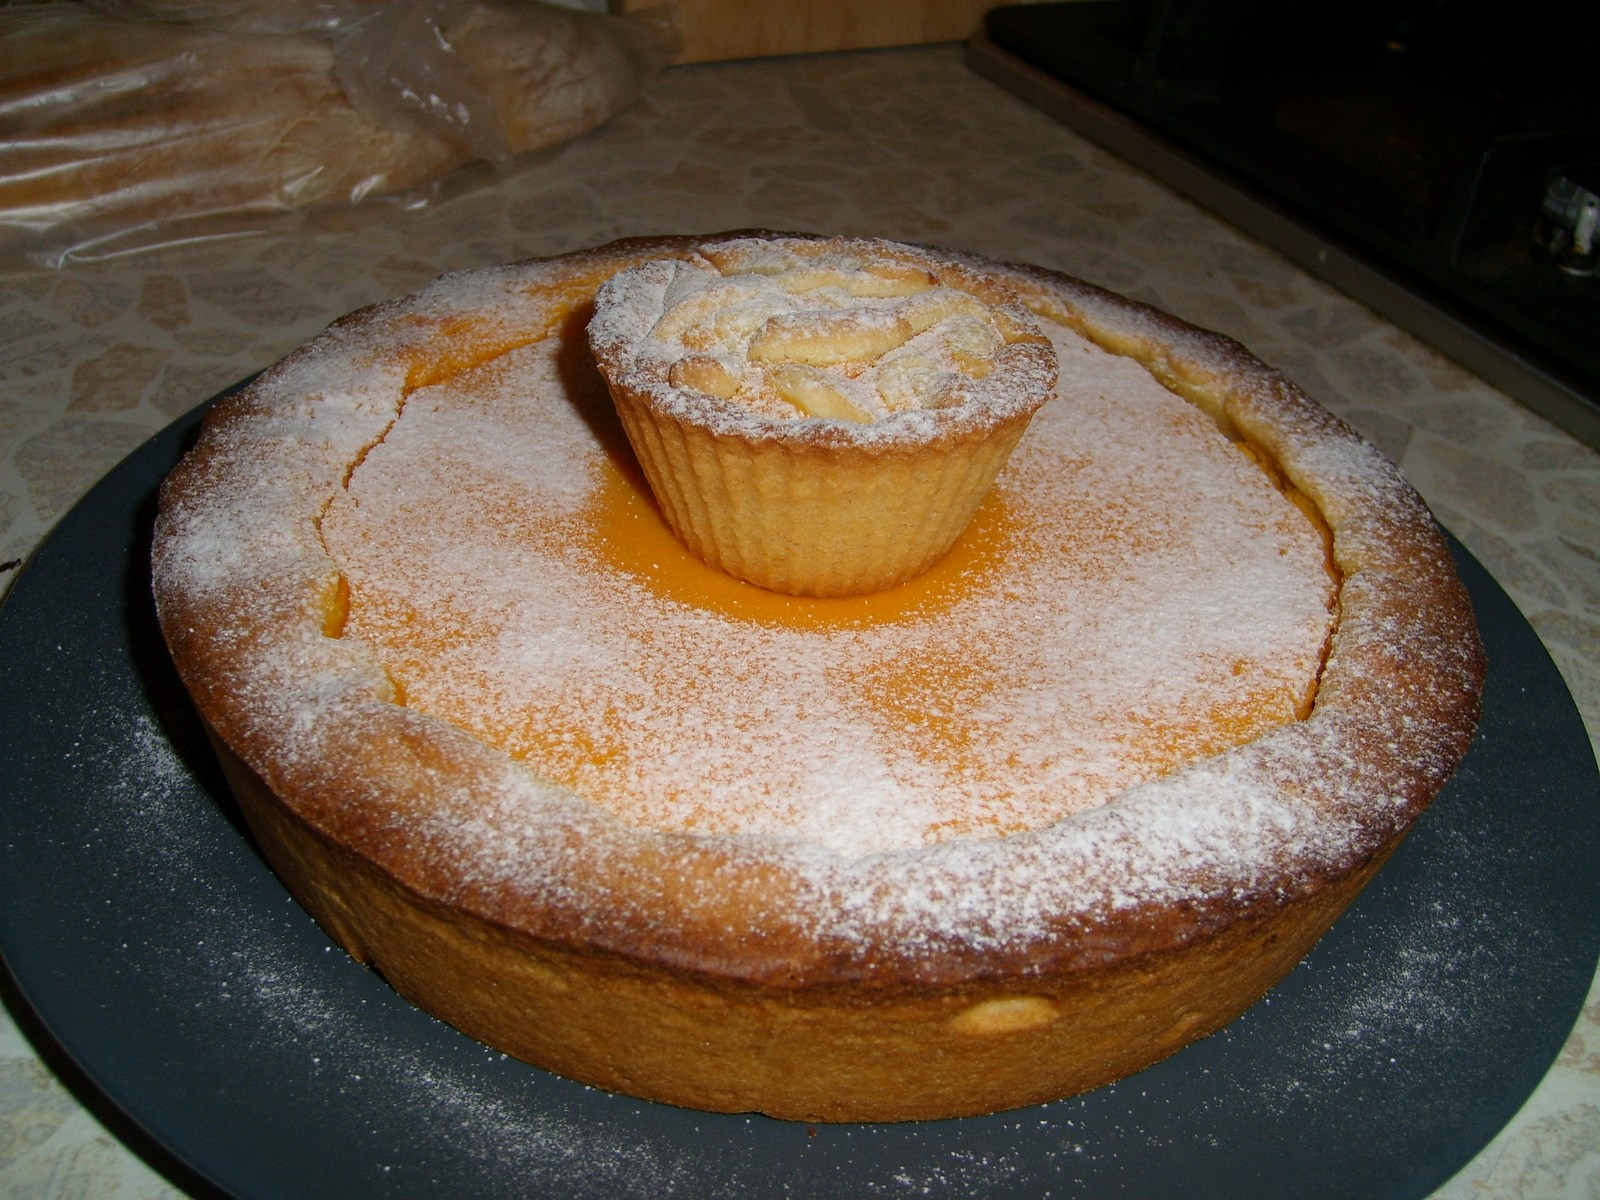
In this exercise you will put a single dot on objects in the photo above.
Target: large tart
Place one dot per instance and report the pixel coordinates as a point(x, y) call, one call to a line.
point(1072, 798)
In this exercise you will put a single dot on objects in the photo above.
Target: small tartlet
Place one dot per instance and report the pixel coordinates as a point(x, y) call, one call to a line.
point(820, 417)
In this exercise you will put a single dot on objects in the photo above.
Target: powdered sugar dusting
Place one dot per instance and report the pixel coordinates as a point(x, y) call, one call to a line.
point(474, 578)
point(247, 977)
point(871, 342)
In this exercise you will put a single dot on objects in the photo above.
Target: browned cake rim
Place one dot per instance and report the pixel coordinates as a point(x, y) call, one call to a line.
point(248, 598)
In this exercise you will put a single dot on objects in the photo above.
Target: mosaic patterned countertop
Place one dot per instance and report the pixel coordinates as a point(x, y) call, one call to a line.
point(906, 144)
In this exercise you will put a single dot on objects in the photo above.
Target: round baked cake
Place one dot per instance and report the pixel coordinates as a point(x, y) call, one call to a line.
point(1070, 799)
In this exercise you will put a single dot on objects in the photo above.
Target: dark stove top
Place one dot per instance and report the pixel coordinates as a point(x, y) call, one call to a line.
point(1439, 162)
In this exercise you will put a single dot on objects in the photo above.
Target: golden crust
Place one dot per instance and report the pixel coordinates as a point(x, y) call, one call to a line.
point(812, 507)
point(873, 1051)
point(1047, 962)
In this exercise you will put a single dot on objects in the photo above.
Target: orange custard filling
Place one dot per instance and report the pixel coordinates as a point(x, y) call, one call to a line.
point(624, 529)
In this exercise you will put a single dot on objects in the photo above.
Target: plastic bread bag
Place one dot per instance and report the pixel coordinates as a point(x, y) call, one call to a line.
point(131, 124)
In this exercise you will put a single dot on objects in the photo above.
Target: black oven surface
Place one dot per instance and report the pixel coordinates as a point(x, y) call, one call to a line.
point(1449, 154)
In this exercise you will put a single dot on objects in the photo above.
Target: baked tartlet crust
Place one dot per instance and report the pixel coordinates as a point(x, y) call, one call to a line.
point(804, 504)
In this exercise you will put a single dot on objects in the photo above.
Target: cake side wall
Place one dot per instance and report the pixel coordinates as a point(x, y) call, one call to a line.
point(824, 1053)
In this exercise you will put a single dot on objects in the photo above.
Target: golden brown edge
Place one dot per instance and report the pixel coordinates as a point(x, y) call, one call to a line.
point(828, 1053)
point(1393, 559)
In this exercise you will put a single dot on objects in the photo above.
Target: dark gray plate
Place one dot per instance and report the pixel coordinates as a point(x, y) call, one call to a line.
point(173, 975)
